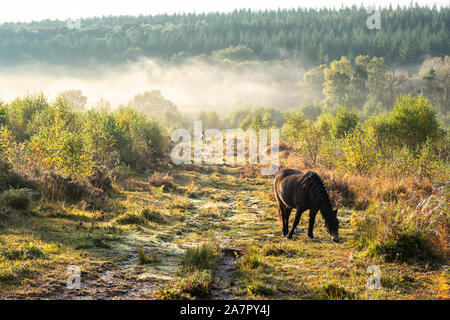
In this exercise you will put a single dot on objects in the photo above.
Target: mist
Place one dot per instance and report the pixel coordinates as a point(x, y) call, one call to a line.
point(195, 84)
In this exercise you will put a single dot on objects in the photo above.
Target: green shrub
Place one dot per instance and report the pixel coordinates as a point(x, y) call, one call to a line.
point(20, 114)
point(262, 118)
point(344, 121)
point(148, 139)
point(413, 121)
point(360, 154)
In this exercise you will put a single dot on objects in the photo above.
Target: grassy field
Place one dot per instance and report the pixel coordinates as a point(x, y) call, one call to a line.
point(187, 232)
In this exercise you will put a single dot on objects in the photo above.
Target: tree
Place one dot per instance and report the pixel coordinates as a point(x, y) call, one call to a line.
point(75, 98)
point(337, 82)
point(312, 84)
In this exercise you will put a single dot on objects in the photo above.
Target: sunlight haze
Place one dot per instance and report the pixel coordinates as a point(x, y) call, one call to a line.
point(27, 11)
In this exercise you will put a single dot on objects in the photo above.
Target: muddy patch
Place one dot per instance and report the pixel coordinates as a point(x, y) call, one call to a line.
point(224, 274)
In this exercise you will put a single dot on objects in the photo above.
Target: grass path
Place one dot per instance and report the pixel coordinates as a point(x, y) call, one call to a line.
point(220, 208)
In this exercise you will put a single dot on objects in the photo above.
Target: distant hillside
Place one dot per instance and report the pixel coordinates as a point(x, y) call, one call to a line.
point(407, 36)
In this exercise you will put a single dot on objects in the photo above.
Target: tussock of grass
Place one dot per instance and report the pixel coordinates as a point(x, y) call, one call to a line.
point(130, 218)
point(162, 180)
point(282, 249)
point(199, 258)
point(251, 259)
point(409, 247)
point(144, 258)
point(28, 250)
point(257, 288)
point(195, 285)
point(90, 242)
point(192, 190)
point(153, 216)
point(335, 292)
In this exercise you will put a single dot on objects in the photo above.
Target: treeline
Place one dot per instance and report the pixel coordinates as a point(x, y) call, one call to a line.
point(311, 36)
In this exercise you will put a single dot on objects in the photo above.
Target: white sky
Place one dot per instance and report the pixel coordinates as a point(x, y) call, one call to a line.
point(29, 10)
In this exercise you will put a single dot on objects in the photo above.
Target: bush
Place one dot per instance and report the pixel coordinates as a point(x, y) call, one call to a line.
point(401, 234)
point(305, 135)
point(19, 199)
point(413, 121)
point(360, 153)
point(21, 113)
point(410, 247)
point(61, 151)
point(146, 136)
point(344, 121)
point(262, 118)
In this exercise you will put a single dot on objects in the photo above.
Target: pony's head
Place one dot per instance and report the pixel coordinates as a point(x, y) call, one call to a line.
point(332, 225)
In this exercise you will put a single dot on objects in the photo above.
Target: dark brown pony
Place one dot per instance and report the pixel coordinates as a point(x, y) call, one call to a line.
point(302, 192)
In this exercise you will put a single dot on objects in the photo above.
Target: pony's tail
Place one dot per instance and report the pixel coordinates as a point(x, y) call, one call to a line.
point(279, 213)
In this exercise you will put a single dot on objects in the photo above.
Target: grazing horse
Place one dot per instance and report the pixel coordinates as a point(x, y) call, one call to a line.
point(302, 192)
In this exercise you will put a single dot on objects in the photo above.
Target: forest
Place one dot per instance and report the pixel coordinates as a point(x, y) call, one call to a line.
point(407, 36)
point(92, 185)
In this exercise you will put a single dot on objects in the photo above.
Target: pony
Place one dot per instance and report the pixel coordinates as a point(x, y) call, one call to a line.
point(295, 190)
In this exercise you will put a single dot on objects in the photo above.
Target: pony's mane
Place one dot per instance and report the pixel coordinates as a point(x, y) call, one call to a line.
point(314, 183)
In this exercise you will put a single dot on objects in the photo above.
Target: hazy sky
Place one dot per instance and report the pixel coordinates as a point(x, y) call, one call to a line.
point(29, 10)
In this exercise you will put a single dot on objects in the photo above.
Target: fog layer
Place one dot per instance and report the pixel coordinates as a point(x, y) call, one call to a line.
point(193, 84)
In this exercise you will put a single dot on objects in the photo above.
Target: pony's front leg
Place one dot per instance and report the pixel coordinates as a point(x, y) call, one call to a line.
point(312, 219)
point(298, 215)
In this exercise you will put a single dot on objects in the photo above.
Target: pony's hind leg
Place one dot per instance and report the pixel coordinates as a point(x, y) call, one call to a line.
point(298, 215)
point(287, 214)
